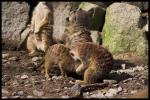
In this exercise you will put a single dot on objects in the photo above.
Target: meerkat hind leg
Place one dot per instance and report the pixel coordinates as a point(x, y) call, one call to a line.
point(81, 68)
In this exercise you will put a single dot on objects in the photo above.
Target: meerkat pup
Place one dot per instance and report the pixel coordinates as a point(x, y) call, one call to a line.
point(59, 54)
point(41, 36)
point(96, 62)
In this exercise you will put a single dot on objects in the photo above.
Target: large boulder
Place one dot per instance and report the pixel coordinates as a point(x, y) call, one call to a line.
point(121, 29)
point(14, 19)
point(97, 14)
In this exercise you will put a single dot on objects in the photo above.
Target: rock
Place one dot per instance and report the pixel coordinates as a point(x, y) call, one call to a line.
point(65, 87)
point(13, 58)
point(57, 77)
point(125, 91)
point(5, 78)
point(34, 59)
point(75, 89)
point(121, 31)
point(14, 18)
point(15, 83)
point(123, 66)
point(141, 5)
point(71, 82)
point(24, 76)
point(65, 96)
point(110, 81)
point(133, 91)
point(5, 55)
point(4, 97)
point(4, 61)
point(99, 95)
point(5, 91)
point(16, 96)
point(111, 92)
point(119, 89)
point(29, 96)
point(20, 93)
point(97, 14)
point(38, 93)
point(14, 93)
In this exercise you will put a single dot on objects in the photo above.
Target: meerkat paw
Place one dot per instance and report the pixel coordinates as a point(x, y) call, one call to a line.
point(47, 76)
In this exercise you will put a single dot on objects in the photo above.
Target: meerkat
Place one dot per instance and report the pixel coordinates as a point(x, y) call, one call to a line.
point(41, 36)
point(59, 54)
point(78, 37)
point(96, 62)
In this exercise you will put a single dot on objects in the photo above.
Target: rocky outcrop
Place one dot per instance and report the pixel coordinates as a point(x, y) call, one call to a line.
point(121, 29)
point(14, 19)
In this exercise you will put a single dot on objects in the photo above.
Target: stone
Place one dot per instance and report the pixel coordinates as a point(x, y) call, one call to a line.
point(111, 92)
point(5, 91)
point(24, 76)
point(123, 66)
point(29, 96)
point(20, 93)
point(119, 89)
point(133, 91)
point(99, 95)
point(34, 59)
point(5, 55)
point(65, 96)
point(121, 31)
point(110, 81)
point(14, 18)
point(13, 58)
point(38, 93)
point(97, 14)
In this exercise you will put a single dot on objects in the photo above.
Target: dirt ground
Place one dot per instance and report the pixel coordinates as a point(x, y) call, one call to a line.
point(21, 78)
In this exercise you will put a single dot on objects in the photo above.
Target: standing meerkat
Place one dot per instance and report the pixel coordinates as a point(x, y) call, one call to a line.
point(41, 36)
point(96, 62)
point(59, 54)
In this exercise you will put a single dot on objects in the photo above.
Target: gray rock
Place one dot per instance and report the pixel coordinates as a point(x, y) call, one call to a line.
point(110, 81)
point(5, 91)
point(98, 96)
point(5, 97)
point(13, 58)
point(24, 76)
point(65, 96)
point(16, 96)
point(122, 21)
point(5, 55)
point(20, 93)
point(29, 96)
point(133, 91)
point(38, 93)
point(111, 92)
point(34, 59)
point(14, 19)
point(119, 89)
point(123, 66)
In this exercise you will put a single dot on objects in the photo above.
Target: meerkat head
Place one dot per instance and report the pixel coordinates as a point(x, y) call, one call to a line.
point(74, 55)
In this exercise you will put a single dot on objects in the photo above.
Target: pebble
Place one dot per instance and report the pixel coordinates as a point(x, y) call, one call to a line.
point(4, 97)
point(38, 93)
point(15, 83)
point(110, 81)
point(119, 89)
point(16, 96)
point(13, 58)
point(99, 95)
point(5, 55)
point(133, 91)
point(24, 76)
point(71, 82)
point(29, 96)
point(123, 66)
point(125, 91)
point(34, 59)
point(5, 91)
point(20, 93)
point(65, 87)
point(4, 61)
point(57, 77)
point(111, 92)
point(65, 96)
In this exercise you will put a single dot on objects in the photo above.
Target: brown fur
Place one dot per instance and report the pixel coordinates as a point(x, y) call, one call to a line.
point(41, 35)
point(96, 61)
point(59, 54)
point(78, 37)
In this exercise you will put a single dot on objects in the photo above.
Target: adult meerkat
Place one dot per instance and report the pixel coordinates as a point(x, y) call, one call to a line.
point(76, 29)
point(96, 62)
point(41, 36)
point(59, 54)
